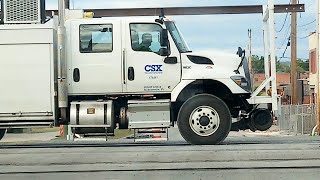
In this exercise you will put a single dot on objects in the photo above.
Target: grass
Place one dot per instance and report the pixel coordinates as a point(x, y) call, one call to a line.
point(44, 130)
point(121, 133)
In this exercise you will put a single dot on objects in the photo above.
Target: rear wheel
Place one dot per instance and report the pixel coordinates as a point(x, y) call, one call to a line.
point(2, 133)
point(204, 119)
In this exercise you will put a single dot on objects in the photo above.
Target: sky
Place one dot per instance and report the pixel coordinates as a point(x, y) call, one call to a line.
point(223, 32)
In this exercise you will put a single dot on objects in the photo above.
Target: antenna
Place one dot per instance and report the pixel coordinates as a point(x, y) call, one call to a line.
point(161, 16)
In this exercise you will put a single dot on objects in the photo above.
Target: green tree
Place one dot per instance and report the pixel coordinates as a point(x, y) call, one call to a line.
point(302, 65)
point(283, 67)
point(258, 65)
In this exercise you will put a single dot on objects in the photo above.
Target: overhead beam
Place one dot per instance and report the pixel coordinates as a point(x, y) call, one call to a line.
point(206, 10)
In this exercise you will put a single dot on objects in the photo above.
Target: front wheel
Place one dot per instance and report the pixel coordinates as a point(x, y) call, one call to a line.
point(204, 119)
point(2, 133)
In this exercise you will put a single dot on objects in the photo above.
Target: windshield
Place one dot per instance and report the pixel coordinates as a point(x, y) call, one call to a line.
point(177, 37)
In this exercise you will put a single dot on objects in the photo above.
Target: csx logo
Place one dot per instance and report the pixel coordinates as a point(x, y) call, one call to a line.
point(153, 68)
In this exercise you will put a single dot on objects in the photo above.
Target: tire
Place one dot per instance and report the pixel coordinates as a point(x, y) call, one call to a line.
point(262, 119)
point(2, 133)
point(199, 131)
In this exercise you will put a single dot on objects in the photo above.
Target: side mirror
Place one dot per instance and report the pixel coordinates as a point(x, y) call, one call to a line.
point(164, 43)
point(164, 51)
point(240, 52)
point(164, 39)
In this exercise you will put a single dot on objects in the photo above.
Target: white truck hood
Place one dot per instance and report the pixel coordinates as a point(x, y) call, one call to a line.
point(224, 61)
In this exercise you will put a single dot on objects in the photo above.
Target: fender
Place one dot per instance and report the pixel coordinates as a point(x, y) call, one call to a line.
point(176, 91)
point(234, 88)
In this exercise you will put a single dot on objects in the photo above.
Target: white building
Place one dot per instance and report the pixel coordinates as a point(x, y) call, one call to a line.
point(313, 64)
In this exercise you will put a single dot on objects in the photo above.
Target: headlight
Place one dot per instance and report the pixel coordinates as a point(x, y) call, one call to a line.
point(242, 82)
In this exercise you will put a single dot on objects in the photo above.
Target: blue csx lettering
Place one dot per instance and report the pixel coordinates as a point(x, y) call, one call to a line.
point(153, 68)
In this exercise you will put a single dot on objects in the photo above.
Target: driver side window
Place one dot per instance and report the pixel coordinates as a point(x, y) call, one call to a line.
point(145, 37)
point(96, 38)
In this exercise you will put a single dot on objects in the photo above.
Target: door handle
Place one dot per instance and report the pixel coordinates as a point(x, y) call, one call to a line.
point(124, 65)
point(131, 73)
point(171, 60)
point(76, 75)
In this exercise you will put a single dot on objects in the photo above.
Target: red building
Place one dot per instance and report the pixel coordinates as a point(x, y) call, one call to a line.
point(283, 85)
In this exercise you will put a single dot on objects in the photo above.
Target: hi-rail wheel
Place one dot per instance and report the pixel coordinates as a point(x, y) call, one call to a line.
point(204, 120)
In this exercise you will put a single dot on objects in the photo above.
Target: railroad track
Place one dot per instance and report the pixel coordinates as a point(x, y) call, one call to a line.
point(291, 157)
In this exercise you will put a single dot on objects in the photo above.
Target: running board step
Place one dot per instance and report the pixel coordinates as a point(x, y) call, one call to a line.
point(152, 131)
point(147, 135)
point(151, 139)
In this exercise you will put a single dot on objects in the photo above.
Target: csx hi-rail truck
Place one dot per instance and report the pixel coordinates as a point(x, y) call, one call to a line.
point(126, 73)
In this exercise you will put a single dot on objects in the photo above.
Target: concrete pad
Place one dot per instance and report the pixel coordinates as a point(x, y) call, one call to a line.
point(14, 138)
point(251, 174)
point(240, 157)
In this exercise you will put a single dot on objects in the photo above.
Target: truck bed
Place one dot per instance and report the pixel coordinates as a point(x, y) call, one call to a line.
point(27, 75)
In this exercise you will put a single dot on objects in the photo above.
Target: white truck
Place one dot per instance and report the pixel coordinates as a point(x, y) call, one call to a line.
point(126, 73)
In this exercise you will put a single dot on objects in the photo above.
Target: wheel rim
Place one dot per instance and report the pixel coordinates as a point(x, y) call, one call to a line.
point(204, 121)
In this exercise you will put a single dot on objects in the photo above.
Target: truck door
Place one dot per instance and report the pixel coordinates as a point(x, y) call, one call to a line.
point(96, 66)
point(145, 69)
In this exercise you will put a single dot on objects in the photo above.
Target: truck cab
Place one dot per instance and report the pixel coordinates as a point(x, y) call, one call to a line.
point(125, 56)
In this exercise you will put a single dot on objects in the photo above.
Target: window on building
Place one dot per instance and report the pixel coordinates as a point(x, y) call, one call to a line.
point(145, 37)
point(96, 38)
point(313, 61)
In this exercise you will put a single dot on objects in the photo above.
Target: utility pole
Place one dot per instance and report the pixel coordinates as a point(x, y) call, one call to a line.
point(318, 68)
point(62, 66)
point(294, 90)
point(250, 57)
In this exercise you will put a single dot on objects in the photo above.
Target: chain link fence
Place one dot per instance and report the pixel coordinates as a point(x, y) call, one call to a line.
point(299, 119)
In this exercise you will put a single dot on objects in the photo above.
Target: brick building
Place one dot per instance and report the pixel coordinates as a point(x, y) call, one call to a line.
point(283, 84)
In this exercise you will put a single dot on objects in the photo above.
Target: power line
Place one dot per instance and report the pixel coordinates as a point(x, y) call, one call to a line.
point(308, 29)
point(304, 37)
point(285, 36)
point(307, 23)
point(285, 20)
point(288, 39)
point(309, 6)
point(284, 52)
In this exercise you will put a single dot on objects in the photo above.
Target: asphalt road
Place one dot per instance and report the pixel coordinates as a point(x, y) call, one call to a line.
point(239, 157)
